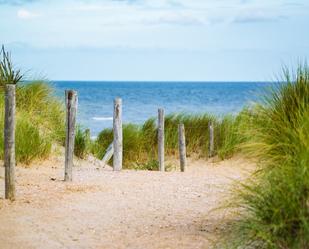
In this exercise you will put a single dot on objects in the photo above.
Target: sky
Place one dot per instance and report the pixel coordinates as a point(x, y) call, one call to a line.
point(155, 40)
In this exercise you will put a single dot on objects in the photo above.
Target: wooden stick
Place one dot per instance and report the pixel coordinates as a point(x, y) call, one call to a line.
point(9, 142)
point(211, 140)
point(161, 139)
point(117, 127)
point(108, 154)
point(182, 147)
point(71, 106)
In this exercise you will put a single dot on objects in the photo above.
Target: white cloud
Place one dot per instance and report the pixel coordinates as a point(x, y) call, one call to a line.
point(26, 14)
point(258, 15)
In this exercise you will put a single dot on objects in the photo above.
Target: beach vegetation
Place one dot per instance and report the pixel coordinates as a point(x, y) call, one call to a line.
point(274, 202)
point(140, 141)
point(82, 143)
point(39, 114)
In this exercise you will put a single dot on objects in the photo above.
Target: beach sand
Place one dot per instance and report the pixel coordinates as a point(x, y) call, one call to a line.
point(128, 209)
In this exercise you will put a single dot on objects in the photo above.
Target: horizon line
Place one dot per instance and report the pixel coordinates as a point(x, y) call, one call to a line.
point(161, 81)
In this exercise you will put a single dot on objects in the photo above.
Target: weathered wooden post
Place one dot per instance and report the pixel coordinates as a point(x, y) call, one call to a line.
point(9, 142)
point(211, 140)
point(117, 127)
point(161, 139)
point(182, 147)
point(71, 109)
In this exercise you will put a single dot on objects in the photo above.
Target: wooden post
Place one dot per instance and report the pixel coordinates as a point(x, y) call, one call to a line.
point(108, 153)
point(9, 142)
point(211, 140)
point(71, 107)
point(161, 139)
point(182, 147)
point(117, 127)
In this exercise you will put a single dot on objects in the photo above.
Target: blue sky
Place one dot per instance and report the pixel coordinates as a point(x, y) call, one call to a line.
point(211, 40)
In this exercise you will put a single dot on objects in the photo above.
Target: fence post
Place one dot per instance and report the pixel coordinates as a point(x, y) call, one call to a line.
point(9, 142)
point(211, 139)
point(117, 128)
point(161, 139)
point(71, 109)
point(182, 147)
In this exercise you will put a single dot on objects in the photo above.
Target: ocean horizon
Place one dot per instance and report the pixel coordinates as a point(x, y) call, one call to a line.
point(141, 99)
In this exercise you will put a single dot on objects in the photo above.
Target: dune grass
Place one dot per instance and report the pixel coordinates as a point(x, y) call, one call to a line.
point(39, 114)
point(82, 144)
point(140, 141)
point(275, 201)
point(39, 121)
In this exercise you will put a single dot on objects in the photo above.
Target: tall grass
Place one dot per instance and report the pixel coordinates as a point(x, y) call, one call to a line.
point(82, 142)
point(39, 115)
point(275, 202)
point(140, 142)
point(39, 121)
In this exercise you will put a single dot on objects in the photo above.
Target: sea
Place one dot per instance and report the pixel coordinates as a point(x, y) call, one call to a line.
point(141, 100)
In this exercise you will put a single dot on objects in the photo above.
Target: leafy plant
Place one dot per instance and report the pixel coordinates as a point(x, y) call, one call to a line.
point(8, 75)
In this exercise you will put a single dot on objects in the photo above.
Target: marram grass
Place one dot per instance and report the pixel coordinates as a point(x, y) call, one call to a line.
point(39, 121)
point(39, 115)
point(274, 203)
point(140, 142)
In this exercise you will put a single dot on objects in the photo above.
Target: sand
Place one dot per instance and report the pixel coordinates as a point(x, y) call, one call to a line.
point(128, 209)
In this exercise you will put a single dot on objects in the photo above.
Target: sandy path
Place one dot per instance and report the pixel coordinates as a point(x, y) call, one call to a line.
point(105, 209)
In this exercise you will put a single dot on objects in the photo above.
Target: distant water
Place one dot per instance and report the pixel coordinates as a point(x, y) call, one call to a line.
point(142, 99)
